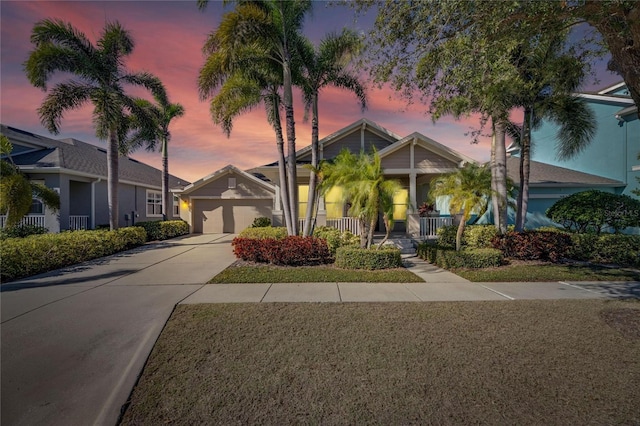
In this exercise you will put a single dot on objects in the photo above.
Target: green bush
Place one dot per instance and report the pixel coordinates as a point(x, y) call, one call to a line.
point(618, 249)
point(359, 258)
point(479, 236)
point(261, 222)
point(591, 211)
point(449, 258)
point(23, 257)
point(164, 229)
point(21, 231)
point(336, 238)
point(447, 236)
point(264, 233)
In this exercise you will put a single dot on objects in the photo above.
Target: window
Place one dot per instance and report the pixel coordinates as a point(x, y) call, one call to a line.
point(154, 203)
point(37, 207)
point(176, 206)
point(232, 183)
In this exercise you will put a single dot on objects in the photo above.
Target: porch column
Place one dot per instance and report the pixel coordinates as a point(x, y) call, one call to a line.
point(321, 217)
point(277, 215)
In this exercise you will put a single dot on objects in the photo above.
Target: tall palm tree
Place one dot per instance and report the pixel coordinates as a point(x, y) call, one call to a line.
point(149, 134)
point(468, 188)
point(550, 78)
point(365, 188)
point(321, 67)
point(275, 27)
point(101, 77)
point(17, 192)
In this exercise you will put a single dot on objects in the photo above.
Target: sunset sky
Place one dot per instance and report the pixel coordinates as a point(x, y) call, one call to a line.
point(169, 36)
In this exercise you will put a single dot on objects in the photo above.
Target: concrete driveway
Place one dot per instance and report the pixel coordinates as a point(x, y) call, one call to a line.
point(75, 340)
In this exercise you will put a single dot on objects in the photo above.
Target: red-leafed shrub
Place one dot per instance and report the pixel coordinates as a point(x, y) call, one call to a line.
point(533, 245)
point(292, 250)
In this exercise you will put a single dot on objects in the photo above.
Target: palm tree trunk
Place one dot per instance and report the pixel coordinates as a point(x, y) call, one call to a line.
point(463, 221)
point(372, 227)
point(387, 227)
point(282, 172)
point(499, 175)
point(112, 177)
point(313, 180)
point(165, 178)
point(364, 231)
point(525, 165)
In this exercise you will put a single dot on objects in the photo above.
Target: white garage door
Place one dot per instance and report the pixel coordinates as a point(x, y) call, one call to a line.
point(216, 216)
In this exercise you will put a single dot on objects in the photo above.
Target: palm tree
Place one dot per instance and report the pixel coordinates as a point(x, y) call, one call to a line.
point(361, 178)
point(144, 135)
point(468, 188)
point(274, 27)
point(321, 67)
point(551, 77)
point(17, 192)
point(101, 76)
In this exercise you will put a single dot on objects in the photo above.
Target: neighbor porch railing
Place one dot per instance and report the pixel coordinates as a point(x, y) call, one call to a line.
point(78, 222)
point(32, 219)
point(429, 225)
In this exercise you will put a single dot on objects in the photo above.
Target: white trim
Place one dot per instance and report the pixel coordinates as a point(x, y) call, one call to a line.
point(220, 197)
point(611, 88)
point(635, 168)
point(146, 203)
point(220, 173)
point(543, 196)
point(421, 170)
point(62, 170)
point(428, 144)
point(605, 98)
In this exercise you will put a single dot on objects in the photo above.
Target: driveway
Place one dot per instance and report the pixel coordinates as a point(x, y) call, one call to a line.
point(75, 340)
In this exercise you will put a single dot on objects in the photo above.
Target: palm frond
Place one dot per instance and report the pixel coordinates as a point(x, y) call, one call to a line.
point(63, 97)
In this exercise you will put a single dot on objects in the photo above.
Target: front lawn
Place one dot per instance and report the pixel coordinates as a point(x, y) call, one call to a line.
point(255, 273)
point(526, 272)
point(510, 362)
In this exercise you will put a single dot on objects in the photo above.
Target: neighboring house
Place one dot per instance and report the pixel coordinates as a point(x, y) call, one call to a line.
point(610, 162)
point(78, 171)
point(230, 199)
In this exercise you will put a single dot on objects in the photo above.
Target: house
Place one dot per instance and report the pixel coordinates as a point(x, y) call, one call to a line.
point(609, 163)
point(230, 199)
point(78, 171)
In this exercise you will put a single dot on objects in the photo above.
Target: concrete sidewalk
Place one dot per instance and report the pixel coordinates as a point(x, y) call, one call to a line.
point(439, 285)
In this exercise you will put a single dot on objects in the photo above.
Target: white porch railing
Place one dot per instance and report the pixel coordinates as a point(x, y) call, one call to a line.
point(78, 222)
point(32, 219)
point(429, 225)
point(351, 224)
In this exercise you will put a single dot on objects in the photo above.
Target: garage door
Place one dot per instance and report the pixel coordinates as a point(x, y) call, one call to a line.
point(216, 216)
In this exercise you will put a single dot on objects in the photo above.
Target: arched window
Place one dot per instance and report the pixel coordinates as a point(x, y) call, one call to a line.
point(37, 207)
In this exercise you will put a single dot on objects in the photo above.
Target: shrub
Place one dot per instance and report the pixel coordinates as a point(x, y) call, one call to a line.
point(449, 258)
point(164, 229)
point(23, 257)
point(336, 238)
point(360, 258)
point(264, 233)
point(479, 236)
point(623, 250)
point(533, 245)
point(291, 250)
point(590, 211)
point(261, 222)
point(447, 236)
point(21, 231)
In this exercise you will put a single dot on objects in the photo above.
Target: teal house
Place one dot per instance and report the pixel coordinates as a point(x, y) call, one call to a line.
point(610, 163)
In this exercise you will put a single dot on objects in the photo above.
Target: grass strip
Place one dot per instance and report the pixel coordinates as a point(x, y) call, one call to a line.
point(516, 362)
point(310, 274)
point(528, 273)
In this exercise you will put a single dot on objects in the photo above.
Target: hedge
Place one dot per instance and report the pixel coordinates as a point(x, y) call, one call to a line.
point(292, 250)
point(619, 249)
point(533, 245)
point(474, 236)
point(360, 258)
point(23, 257)
point(336, 238)
point(264, 233)
point(21, 231)
point(164, 229)
point(449, 258)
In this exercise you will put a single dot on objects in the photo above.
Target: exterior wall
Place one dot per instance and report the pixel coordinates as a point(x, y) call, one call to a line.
point(353, 142)
point(425, 159)
point(220, 188)
point(632, 127)
point(399, 159)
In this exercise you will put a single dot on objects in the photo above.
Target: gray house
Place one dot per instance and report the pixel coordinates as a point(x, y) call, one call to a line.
point(78, 171)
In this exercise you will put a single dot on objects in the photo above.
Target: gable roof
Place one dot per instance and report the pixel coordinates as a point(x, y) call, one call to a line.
point(542, 174)
point(76, 157)
point(228, 169)
point(429, 144)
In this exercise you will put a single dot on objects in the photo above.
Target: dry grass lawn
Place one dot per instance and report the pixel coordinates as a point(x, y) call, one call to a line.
point(519, 362)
